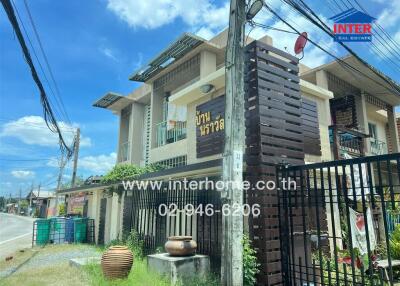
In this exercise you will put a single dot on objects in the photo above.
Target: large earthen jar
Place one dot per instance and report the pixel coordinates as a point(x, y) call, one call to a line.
point(117, 262)
point(180, 246)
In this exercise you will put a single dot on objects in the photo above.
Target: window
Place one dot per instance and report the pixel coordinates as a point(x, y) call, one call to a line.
point(372, 130)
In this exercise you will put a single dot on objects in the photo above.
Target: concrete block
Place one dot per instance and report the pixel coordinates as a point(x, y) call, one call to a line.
point(179, 268)
point(79, 262)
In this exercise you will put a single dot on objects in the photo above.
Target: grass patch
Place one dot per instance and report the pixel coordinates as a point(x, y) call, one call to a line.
point(18, 258)
point(55, 273)
point(139, 275)
point(58, 275)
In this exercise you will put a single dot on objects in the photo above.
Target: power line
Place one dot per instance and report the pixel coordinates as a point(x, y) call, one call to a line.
point(345, 64)
point(58, 98)
point(34, 53)
point(320, 24)
point(49, 117)
point(270, 27)
point(393, 52)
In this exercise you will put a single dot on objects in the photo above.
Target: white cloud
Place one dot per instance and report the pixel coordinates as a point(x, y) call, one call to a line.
point(206, 18)
point(397, 37)
point(200, 15)
point(98, 165)
point(138, 63)
point(109, 53)
point(390, 16)
point(95, 165)
point(205, 33)
point(20, 174)
point(33, 130)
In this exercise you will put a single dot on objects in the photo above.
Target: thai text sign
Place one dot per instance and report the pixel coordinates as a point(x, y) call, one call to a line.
point(210, 127)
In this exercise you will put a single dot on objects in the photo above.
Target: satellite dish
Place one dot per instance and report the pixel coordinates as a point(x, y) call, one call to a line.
point(300, 43)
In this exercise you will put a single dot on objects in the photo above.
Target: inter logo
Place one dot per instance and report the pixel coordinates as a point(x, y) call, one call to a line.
point(353, 26)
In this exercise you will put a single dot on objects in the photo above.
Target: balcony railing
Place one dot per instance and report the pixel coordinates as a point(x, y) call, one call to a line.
point(346, 140)
point(377, 147)
point(166, 136)
point(124, 152)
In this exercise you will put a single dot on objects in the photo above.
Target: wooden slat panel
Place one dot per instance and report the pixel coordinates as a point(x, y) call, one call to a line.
point(273, 135)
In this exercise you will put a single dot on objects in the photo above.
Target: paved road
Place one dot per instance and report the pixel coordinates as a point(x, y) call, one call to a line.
point(15, 233)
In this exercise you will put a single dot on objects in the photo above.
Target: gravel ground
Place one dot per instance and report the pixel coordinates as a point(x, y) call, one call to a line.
point(59, 256)
point(51, 255)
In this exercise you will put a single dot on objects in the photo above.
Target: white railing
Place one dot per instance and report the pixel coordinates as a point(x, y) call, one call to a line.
point(166, 136)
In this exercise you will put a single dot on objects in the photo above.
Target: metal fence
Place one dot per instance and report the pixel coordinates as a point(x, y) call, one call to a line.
point(333, 223)
point(172, 210)
point(63, 230)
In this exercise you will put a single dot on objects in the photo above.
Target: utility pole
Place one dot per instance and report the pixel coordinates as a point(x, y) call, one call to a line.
point(60, 173)
point(30, 196)
point(62, 164)
point(76, 153)
point(19, 201)
point(232, 168)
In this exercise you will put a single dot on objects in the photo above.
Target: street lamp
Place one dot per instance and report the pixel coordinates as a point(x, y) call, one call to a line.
point(255, 7)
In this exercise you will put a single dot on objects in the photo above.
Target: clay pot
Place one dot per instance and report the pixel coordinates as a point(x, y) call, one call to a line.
point(180, 246)
point(117, 262)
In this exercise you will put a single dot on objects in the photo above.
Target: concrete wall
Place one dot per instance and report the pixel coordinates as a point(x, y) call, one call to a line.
point(380, 120)
point(321, 96)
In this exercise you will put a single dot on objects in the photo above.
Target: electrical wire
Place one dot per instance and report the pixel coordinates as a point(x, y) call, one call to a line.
point(58, 98)
point(48, 113)
point(394, 88)
point(345, 64)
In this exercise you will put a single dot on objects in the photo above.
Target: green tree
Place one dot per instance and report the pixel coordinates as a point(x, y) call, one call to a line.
point(127, 171)
point(78, 182)
point(2, 203)
point(250, 264)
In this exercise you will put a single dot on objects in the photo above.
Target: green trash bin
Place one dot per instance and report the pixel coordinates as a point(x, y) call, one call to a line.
point(80, 226)
point(42, 231)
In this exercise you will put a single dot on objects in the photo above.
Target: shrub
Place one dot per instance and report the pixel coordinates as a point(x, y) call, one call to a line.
point(128, 171)
point(132, 241)
point(61, 209)
point(250, 264)
point(121, 172)
point(395, 243)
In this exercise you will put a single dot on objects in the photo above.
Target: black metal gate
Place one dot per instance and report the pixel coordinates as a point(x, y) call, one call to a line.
point(338, 222)
point(156, 214)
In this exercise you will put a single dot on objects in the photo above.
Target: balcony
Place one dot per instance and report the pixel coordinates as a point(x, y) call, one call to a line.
point(345, 140)
point(124, 152)
point(378, 147)
point(166, 136)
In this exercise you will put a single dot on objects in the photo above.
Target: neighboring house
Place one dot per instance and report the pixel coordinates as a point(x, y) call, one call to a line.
point(38, 202)
point(176, 118)
point(363, 120)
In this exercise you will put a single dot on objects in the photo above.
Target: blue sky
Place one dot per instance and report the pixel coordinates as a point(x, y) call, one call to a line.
point(93, 46)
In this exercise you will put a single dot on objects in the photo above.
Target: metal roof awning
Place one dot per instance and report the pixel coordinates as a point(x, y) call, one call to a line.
point(113, 101)
point(176, 50)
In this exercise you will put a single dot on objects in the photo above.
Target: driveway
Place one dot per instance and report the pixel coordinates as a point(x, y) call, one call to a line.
point(15, 233)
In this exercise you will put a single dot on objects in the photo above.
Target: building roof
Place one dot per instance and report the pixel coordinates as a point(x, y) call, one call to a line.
point(352, 16)
point(41, 194)
point(112, 99)
point(371, 83)
point(179, 48)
